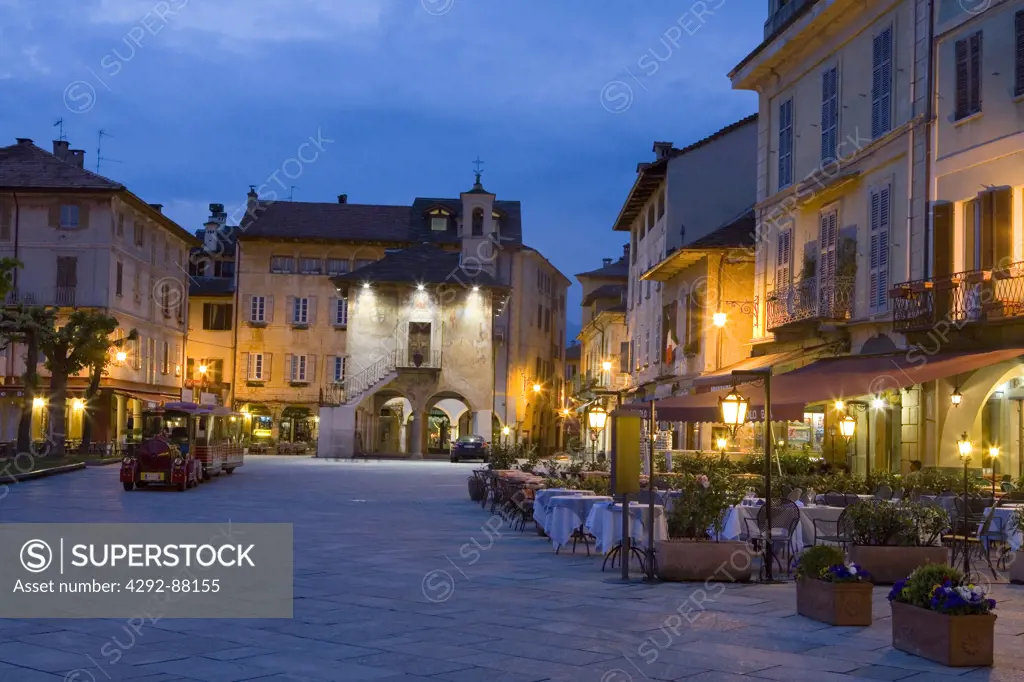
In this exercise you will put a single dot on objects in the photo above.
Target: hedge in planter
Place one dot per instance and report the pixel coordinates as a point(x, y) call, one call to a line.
point(891, 540)
point(695, 523)
point(937, 616)
point(830, 590)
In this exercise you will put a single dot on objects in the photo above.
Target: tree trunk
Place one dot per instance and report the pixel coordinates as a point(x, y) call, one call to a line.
point(58, 405)
point(95, 374)
point(31, 378)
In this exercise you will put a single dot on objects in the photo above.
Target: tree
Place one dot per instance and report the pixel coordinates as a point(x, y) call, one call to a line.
point(26, 325)
point(99, 358)
point(70, 349)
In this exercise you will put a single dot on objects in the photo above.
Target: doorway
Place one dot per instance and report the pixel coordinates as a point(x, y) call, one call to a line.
point(419, 343)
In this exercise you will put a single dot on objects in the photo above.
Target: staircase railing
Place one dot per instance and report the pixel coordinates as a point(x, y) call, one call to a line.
point(359, 383)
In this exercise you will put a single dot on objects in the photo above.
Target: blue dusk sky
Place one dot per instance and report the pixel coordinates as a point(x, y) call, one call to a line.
point(202, 98)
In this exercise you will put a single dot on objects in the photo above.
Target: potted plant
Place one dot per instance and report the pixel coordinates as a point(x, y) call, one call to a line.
point(830, 590)
point(892, 539)
point(693, 551)
point(938, 616)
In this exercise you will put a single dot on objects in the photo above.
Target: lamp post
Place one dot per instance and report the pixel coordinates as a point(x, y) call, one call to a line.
point(722, 442)
point(993, 453)
point(734, 412)
point(596, 419)
point(965, 446)
point(847, 427)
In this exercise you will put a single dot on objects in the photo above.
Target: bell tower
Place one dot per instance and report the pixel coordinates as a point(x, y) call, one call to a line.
point(479, 230)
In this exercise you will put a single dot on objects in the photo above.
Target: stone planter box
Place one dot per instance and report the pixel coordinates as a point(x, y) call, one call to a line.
point(956, 641)
point(681, 560)
point(834, 603)
point(1017, 569)
point(888, 564)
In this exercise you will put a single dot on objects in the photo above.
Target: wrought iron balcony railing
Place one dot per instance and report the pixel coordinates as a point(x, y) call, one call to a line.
point(963, 297)
point(809, 300)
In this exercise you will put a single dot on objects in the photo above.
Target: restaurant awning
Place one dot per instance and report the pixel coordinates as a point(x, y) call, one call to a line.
point(782, 362)
point(828, 379)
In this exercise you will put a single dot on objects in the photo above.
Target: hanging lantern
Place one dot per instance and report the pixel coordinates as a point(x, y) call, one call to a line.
point(734, 410)
point(847, 427)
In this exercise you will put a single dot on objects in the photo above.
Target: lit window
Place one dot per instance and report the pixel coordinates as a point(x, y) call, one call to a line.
point(258, 312)
point(439, 224)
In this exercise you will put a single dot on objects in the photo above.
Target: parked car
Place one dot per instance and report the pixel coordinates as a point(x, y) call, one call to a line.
point(470, 447)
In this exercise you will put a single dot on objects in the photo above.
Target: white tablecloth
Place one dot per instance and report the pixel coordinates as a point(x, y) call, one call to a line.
point(567, 513)
point(605, 523)
point(540, 502)
point(736, 525)
point(1001, 520)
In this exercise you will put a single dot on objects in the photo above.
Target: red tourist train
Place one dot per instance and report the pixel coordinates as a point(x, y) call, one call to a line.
point(183, 444)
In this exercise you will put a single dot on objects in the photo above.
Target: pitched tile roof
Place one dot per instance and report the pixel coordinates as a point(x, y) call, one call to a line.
point(421, 264)
point(737, 233)
point(24, 165)
point(299, 220)
point(573, 352)
point(617, 270)
point(616, 291)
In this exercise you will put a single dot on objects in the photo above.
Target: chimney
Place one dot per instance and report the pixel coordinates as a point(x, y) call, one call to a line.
point(606, 261)
point(60, 149)
point(252, 201)
point(625, 251)
point(76, 157)
point(159, 208)
point(642, 166)
point(342, 198)
point(662, 149)
point(24, 140)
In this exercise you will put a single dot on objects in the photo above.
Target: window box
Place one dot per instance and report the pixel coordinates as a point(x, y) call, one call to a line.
point(296, 383)
point(255, 383)
point(258, 323)
point(300, 325)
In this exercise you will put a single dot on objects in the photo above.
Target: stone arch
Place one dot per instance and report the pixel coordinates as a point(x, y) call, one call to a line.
point(459, 411)
point(966, 418)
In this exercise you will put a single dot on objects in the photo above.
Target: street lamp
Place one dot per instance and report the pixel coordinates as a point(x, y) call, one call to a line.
point(955, 397)
point(719, 319)
point(596, 419)
point(536, 388)
point(734, 410)
point(121, 356)
point(606, 366)
point(964, 446)
point(722, 442)
point(839, 405)
point(847, 427)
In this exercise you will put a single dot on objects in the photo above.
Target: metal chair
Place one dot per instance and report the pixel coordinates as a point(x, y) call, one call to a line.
point(883, 492)
point(841, 532)
point(898, 494)
point(785, 520)
point(834, 499)
point(1007, 487)
point(795, 494)
point(850, 498)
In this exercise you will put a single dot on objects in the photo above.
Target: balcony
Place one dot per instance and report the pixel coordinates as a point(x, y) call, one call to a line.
point(410, 359)
point(63, 297)
point(806, 301)
point(971, 296)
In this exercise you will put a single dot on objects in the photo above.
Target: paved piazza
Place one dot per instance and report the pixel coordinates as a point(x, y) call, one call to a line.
point(375, 544)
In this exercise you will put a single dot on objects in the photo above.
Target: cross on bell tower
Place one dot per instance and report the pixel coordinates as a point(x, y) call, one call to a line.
point(478, 170)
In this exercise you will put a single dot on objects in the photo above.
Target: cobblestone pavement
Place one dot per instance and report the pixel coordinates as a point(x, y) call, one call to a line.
point(399, 577)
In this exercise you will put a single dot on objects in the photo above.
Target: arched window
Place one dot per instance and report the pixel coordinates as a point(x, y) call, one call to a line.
point(478, 222)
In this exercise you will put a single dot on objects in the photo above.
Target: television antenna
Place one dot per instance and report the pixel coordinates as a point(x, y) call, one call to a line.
point(99, 146)
point(60, 124)
point(291, 192)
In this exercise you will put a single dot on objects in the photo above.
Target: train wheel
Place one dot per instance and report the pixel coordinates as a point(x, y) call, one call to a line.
point(183, 486)
point(128, 485)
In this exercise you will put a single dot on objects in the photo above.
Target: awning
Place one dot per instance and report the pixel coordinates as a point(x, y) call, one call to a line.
point(828, 379)
point(782, 362)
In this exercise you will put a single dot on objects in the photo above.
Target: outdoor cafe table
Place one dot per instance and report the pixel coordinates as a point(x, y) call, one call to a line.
point(567, 513)
point(605, 523)
point(736, 525)
point(1001, 519)
point(820, 498)
point(540, 502)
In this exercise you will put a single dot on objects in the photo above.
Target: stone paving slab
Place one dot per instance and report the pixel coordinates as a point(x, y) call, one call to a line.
point(368, 535)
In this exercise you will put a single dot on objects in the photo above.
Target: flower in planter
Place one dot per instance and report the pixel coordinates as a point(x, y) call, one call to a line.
point(703, 481)
point(899, 591)
point(845, 573)
point(960, 600)
point(942, 589)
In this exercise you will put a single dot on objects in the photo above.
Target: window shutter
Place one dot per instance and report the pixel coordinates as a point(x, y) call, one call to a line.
point(289, 308)
point(829, 113)
point(53, 216)
point(624, 357)
point(5, 221)
point(289, 366)
point(245, 366)
point(311, 315)
point(1002, 226)
point(987, 229)
point(881, 84)
point(83, 216)
point(975, 73)
point(783, 259)
point(878, 289)
point(971, 235)
point(329, 369)
point(269, 316)
point(942, 237)
point(963, 102)
point(266, 366)
point(311, 369)
point(332, 310)
point(247, 306)
point(1019, 52)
